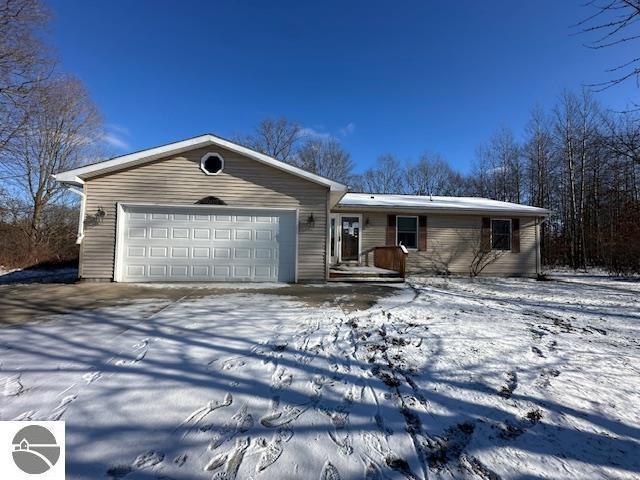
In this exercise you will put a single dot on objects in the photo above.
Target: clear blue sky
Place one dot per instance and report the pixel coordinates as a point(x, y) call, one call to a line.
point(397, 77)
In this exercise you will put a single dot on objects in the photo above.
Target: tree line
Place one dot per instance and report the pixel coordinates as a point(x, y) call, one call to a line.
point(48, 124)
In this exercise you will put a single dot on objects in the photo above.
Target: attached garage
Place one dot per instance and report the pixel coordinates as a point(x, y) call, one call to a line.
point(171, 243)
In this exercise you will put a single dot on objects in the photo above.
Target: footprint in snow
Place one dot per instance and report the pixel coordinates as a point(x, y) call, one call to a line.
point(91, 377)
point(144, 347)
point(372, 471)
point(62, 407)
point(180, 459)
point(329, 472)
point(512, 429)
point(288, 414)
point(339, 420)
point(199, 414)
point(537, 351)
point(145, 460)
point(475, 466)
point(545, 376)
point(28, 415)
point(144, 343)
point(240, 422)
point(12, 386)
point(148, 459)
point(512, 383)
point(231, 461)
point(280, 379)
point(279, 346)
point(270, 455)
point(232, 364)
point(119, 471)
point(273, 449)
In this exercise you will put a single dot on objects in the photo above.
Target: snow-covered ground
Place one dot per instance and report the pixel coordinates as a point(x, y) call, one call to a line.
point(446, 378)
point(596, 277)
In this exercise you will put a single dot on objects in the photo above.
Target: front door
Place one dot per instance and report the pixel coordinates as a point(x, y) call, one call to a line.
point(350, 238)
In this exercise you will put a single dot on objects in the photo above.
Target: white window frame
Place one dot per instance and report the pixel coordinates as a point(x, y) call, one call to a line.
point(510, 234)
point(417, 231)
point(206, 157)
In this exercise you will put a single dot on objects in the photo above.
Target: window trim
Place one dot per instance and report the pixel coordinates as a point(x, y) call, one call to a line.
point(206, 157)
point(417, 231)
point(510, 234)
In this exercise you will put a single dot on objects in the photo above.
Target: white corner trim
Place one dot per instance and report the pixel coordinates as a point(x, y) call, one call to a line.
point(206, 157)
point(119, 255)
point(83, 206)
point(295, 275)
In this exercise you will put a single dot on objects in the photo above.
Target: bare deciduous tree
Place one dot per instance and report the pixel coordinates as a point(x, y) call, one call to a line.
point(386, 177)
point(325, 157)
point(277, 138)
point(613, 22)
point(623, 134)
point(431, 175)
point(541, 170)
point(575, 131)
point(23, 61)
point(500, 167)
point(61, 129)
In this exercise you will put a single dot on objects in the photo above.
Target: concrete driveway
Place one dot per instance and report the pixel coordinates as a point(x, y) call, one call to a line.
point(20, 303)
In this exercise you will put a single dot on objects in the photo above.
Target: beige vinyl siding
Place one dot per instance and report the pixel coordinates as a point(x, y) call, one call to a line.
point(448, 244)
point(179, 180)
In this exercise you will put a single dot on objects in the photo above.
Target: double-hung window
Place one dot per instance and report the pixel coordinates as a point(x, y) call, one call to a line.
point(407, 228)
point(501, 234)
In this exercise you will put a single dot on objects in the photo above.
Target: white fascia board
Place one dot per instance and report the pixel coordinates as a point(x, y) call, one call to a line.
point(76, 176)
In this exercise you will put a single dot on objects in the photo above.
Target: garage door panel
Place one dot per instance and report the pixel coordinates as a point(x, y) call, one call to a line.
point(157, 270)
point(180, 244)
point(179, 252)
point(200, 270)
point(201, 234)
point(158, 252)
point(136, 252)
point(180, 233)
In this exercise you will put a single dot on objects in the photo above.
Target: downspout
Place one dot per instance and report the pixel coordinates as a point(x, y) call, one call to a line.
point(537, 224)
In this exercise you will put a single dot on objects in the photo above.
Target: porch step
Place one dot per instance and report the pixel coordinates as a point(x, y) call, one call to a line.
point(367, 279)
point(343, 273)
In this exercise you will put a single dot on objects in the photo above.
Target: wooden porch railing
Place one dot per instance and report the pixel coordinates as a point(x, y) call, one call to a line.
point(391, 258)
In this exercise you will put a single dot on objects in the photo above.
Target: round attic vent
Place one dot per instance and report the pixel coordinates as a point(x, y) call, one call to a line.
point(212, 163)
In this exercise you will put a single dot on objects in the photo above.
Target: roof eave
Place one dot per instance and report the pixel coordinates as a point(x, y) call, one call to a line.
point(453, 210)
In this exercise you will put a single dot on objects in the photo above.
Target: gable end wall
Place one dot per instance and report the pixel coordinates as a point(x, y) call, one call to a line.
point(179, 180)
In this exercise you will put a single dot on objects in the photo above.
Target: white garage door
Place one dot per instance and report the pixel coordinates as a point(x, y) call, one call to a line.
point(192, 244)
